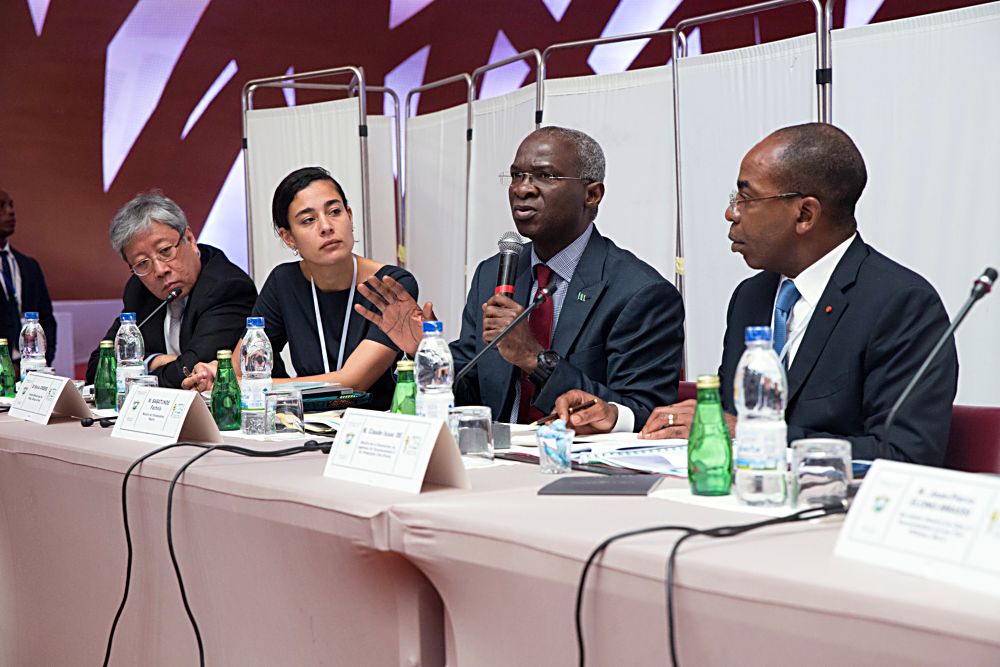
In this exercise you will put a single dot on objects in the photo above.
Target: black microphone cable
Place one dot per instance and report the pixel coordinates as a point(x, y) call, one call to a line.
point(689, 532)
point(310, 445)
point(128, 538)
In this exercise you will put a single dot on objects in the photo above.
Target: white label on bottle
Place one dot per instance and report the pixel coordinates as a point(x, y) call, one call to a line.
point(252, 393)
point(126, 372)
point(29, 364)
point(435, 405)
point(760, 445)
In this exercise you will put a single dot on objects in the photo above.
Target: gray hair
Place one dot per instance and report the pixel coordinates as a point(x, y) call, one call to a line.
point(139, 215)
point(589, 155)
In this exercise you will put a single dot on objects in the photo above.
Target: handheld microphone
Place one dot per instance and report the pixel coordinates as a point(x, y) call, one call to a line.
point(539, 298)
point(980, 288)
point(174, 293)
point(510, 245)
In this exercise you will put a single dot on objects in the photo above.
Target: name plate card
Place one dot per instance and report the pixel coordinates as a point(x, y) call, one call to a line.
point(935, 523)
point(42, 396)
point(394, 451)
point(165, 416)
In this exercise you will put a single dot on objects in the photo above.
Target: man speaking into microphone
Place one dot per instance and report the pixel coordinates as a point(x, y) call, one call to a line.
point(613, 326)
point(215, 297)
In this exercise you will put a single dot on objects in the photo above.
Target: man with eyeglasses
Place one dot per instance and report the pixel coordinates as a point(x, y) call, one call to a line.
point(614, 325)
point(851, 325)
point(151, 234)
point(22, 287)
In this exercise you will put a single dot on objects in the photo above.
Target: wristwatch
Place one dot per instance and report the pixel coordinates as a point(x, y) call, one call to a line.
point(547, 360)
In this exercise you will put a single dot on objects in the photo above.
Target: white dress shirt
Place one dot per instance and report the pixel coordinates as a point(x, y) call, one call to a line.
point(811, 283)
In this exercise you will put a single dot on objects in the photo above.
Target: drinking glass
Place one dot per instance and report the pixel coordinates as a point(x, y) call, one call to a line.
point(821, 471)
point(283, 413)
point(140, 381)
point(554, 446)
point(472, 428)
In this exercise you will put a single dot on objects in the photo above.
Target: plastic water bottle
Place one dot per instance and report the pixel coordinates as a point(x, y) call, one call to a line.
point(130, 350)
point(434, 370)
point(760, 392)
point(256, 361)
point(32, 344)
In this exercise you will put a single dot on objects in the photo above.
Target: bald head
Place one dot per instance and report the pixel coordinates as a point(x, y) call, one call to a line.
point(821, 161)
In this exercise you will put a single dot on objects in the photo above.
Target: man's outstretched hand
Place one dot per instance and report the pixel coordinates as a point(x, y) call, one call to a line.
point(396, 314)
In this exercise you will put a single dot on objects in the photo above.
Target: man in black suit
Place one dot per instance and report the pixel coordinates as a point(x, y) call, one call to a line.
point(614, 326)
point(22, 287)
point(152, 235)
point(858, 325)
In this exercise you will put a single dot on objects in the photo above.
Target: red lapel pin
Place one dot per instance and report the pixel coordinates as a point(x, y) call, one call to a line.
point(829, 309)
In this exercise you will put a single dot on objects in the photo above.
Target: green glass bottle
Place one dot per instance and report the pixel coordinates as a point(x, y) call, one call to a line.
point(404, 400)
point(8, 378)
point(710, 450)
point(106, 380)
point(226, 394)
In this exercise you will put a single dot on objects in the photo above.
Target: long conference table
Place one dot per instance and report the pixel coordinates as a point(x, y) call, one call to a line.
point(283, 566)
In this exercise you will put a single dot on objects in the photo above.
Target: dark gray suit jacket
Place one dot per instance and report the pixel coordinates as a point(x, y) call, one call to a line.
point(855, 360)
point(620, 335)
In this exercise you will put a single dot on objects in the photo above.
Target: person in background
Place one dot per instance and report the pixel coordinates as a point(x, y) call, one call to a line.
point(152, 235)
point(309, 304)
point(22, 287)
point(852, 325)
point(614, 326)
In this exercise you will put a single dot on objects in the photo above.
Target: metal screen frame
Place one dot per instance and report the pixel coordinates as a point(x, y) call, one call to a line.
point(291, 81)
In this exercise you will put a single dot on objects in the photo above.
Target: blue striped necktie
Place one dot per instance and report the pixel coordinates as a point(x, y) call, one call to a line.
point(787, 296)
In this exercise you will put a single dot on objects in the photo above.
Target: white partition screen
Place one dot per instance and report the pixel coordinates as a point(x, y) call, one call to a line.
point(436, 168)
point(382, 183)
point(729, 101)
point(499, 125)
point(631, 115)
point(920, 98)
point(284, 139)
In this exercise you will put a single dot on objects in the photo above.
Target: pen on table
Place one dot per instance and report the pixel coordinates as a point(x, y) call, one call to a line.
point(555, 415)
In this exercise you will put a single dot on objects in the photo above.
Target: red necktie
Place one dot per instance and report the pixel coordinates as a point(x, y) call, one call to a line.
point(540, 322)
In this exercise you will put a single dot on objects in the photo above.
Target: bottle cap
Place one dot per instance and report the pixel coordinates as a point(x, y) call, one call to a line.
point(433, 326)
point(31, 315)
point(128, 317)
point(758, 333)
point(404, 365)
point(224, 354)
point(708, 381)
point(107, 344)
point(255, 321)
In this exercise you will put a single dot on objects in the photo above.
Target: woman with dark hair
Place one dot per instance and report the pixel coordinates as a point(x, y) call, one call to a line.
point(309, 304)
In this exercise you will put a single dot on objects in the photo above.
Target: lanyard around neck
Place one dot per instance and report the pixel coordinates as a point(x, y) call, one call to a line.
point(347, 321)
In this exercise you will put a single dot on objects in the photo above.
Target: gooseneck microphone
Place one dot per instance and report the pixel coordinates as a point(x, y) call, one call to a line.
point(539, 298)
point(980, 288)
point(510, 245)
point(174, 293)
